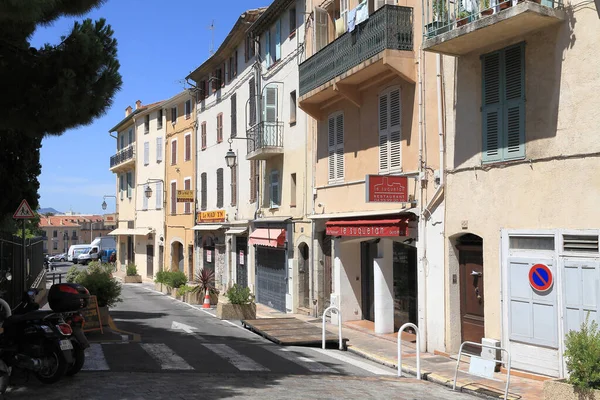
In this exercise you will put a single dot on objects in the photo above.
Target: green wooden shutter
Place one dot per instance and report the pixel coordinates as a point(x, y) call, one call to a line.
point(491, 108)
point(514, 102)
point(331, 145)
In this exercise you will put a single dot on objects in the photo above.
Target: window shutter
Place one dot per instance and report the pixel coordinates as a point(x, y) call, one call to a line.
point(159, 149)
point(203, 134)
point(159, 195)
point(268, 48)
point(122, 141)
point(121, 185)
point(321, 18)
point(395, 134)
point(144, 200)
point(146, 153)
point(187, 205)
point(233, 115)
point(339, 152)
point(203, 190)
point(278, 40)
point(270, 104)
point(129, 185)
point(173, 152)
point(131, 136)
point(253, 181)
point(173, 198)
point(383, 134)
point(514, 95)
point(331, 141)
point(234, 185)
point(188, 147)
point(220, 188)
point(235, 63)
point(275, 192)
point(219, 128)
point(252, 90)
point(491, 110)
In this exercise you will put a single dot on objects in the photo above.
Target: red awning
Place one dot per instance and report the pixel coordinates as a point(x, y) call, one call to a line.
point(368, 227)
point(268, 237)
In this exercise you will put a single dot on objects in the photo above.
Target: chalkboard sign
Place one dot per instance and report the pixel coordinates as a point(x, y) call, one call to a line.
point(91, 314)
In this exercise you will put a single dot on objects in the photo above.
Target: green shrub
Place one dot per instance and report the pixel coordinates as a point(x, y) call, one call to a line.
point(185, 289)
point(176, 279)
point(161, 277)
point(583, 356)
point(72, 274)
point(101, 284)
point(239, 295)
point(131, 269)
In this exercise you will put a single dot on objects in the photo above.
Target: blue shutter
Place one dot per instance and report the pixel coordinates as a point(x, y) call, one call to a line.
point(268, 48)
point(491, 108)
point(278, 40)
point(514, 102)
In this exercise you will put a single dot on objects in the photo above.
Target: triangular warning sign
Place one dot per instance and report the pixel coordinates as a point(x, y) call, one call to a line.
point(24, 211)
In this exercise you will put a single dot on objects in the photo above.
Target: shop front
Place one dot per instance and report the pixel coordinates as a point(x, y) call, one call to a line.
point(237, 243)
point(375, 270)
point(210, 244)
point(273, 270)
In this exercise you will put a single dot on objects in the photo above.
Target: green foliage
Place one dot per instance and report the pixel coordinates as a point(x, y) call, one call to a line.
point(239, 295)
point(72, 274)
point(440, 11)
point(185, 289)
point(463, 14)
point(583, 356)
point(101, 284)
point(131, 269)
point(161, 277)
point(206, 282)
point(173, 279)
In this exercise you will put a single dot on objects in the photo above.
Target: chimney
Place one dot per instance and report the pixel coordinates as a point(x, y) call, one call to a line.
point(138, 104)
point(128, 111)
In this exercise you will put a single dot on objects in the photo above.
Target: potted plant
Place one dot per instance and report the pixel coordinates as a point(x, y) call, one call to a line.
point(505, 4)
point(99, 282)
point(205, 281)
point(174, 280)
point(440, 23)
point(159, 281)
point(485, 7)
point(464, 17)
point(132, 275)
point(582, 354)
point(239, 304)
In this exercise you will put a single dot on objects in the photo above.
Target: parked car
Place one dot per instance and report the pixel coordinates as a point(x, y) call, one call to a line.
point(58, 258)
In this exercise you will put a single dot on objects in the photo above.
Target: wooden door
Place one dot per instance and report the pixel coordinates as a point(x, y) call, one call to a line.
point(471, 295)
point(149, 261)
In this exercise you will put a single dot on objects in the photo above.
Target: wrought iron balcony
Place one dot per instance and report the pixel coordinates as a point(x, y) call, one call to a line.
point(459, 28)
point(390, 27)
point(123, 157)
point(267, 140)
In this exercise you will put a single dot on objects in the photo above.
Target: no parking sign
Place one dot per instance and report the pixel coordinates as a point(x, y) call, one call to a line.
point(540, 278)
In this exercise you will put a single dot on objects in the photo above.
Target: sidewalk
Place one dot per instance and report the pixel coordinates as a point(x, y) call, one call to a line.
point(434, 367)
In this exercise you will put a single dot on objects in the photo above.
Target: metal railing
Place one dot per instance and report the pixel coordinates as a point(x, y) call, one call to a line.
point(55, 277)
point(441, 16)
point(339, 313)
point(416, 328)
point(390, 27)
point(123, 155)
point(476, 368)
point(265, 134)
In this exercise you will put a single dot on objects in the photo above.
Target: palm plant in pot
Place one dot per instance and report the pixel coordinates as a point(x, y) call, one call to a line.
point(485, 8)
point(206, 283)
point(440, 23)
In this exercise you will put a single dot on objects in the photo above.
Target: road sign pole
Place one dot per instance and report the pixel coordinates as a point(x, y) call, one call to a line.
point(23, 284)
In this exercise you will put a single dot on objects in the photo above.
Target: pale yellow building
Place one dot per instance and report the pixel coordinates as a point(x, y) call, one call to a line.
point(180, 175)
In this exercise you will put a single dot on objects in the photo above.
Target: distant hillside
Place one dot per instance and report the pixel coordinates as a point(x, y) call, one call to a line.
point(48, 210)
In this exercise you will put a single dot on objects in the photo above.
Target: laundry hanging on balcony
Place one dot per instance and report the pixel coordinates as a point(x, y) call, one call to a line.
point(340, 28)
point(351, 19)
point(362, 12)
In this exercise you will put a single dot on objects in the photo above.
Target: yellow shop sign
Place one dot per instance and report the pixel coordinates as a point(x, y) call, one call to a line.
point(211, 216)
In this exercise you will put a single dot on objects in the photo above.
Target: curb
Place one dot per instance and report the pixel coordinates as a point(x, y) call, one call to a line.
point(136, 336)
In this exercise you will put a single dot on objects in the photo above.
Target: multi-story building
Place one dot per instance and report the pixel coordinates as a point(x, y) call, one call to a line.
point(522, 260)
point(180, 179)
point(226, 196)
point(280, 153)
point(377, 191)
point(138, 165)
point(60, 232)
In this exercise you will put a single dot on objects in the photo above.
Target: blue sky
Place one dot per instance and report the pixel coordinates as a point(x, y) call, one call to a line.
point(159, 44)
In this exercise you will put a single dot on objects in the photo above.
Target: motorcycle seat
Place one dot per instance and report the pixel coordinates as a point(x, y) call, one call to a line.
point(30, 316)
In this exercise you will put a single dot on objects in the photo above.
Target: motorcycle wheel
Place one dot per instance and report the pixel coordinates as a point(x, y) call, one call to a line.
point(79, 356)
point(4, 380)
point(58, 368)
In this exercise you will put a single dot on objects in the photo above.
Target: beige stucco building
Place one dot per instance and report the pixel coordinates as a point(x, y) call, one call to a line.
point(521, 202)
point(377, 198)
point(180, 165)
point(138, 165)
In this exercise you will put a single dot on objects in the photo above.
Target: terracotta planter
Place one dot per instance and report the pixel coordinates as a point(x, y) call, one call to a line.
point(561, 390)
point(489, 11)
point(104, 315)
point(505, 5)
point(236, 311)
point(133, 279)
point(464, 21)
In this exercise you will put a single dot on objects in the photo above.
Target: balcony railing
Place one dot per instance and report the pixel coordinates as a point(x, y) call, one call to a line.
point(123, 155)
point(390, 27)
point(442, 16)
point(265, 135)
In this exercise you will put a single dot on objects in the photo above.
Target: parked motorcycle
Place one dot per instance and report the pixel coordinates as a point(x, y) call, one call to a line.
point(42, 341)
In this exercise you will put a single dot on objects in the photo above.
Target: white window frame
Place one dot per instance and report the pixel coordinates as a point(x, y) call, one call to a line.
point(159, 195)
point(336, 150)
point(146, 153)
point(159, 149)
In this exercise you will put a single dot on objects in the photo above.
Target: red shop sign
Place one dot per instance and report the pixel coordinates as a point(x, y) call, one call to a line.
point(386, 189)
point(397, 227)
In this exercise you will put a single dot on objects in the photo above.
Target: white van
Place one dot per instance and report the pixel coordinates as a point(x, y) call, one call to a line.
point(72, 255)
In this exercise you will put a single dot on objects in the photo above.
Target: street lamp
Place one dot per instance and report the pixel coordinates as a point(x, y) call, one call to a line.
point(148, 191)
point(230, 157)
point(104, 200)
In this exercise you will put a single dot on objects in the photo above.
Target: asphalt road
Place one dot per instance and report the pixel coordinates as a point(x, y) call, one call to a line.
point(186, 352)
